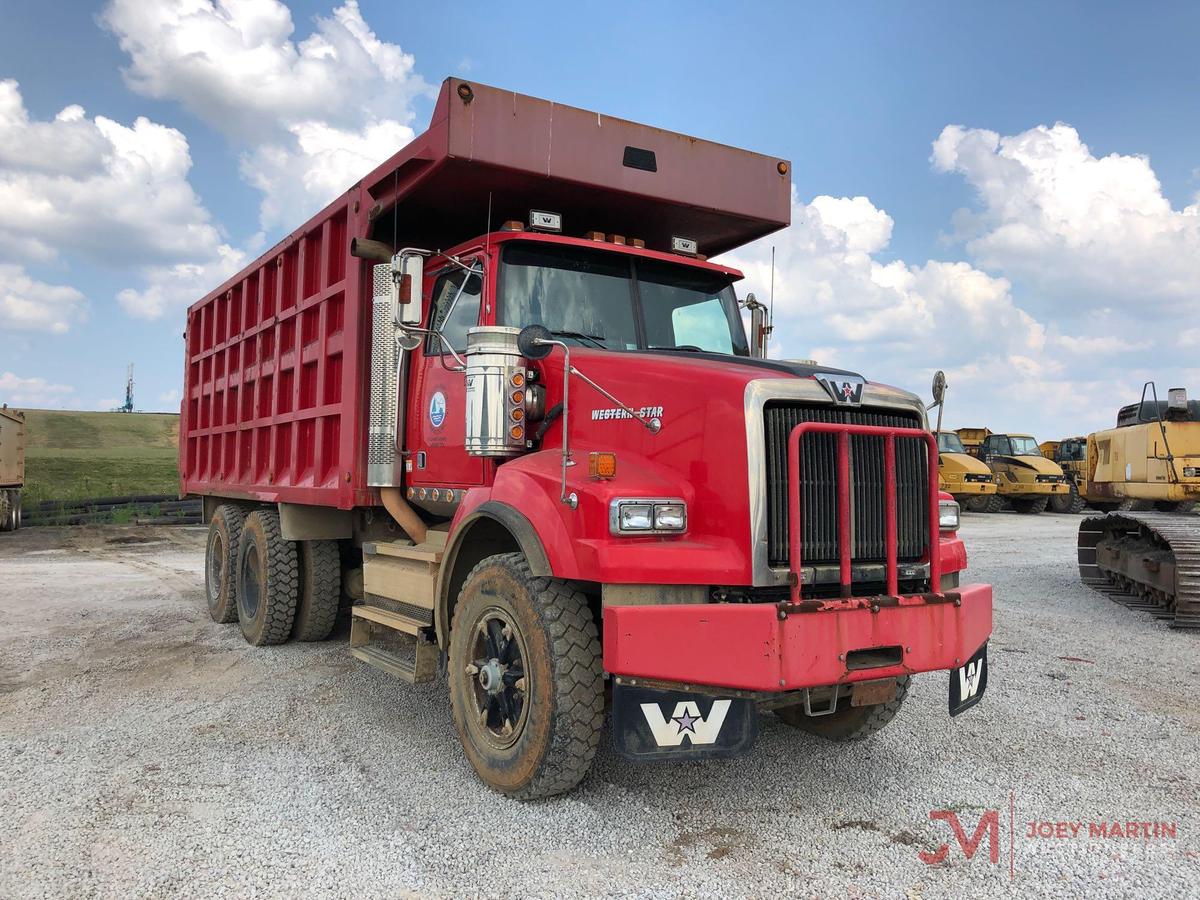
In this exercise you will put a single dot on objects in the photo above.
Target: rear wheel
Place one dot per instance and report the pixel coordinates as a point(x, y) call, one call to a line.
point(320, 590)
point(220, 563)
point(847, 723)
point(1069, 502)
point(10, 510)
point(1031, 505)
point(526, 683)
point(1135, 505)
point(268, 580)
point(995, 504)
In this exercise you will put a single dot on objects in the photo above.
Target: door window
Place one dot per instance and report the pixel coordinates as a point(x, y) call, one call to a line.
point(456, 297)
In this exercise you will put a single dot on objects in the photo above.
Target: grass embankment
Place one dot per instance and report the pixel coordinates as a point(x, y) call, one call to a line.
point(80, 455)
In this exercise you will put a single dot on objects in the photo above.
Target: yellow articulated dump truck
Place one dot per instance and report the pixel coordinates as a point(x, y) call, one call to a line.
point(12, 467)
point(1071, 456)
point(963, 476)
point(1024, 478)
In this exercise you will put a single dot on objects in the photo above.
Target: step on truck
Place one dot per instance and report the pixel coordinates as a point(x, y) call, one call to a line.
point(496, 400)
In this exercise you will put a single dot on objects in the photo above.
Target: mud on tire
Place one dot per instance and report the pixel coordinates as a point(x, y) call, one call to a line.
point(559, 712)
point(847, 723)
point(220, 563)
point(267, 580)
point(320, 590)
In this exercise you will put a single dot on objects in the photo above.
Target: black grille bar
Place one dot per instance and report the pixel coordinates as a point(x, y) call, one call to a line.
point(819, 494)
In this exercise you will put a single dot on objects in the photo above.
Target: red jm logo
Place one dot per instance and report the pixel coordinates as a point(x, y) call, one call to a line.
point(989, 825)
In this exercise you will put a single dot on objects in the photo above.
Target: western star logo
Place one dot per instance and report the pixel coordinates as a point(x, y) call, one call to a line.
point(685, 723)
point(845, 390)
point(970, 677)
point(646, 412)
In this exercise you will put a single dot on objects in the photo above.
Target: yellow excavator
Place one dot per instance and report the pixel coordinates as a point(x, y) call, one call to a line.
point(1024, 477)
point(1145, 554)
point(1071, 456)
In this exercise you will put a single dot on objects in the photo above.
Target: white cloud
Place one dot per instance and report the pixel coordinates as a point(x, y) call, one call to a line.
point(1080, 231)
point(315, 114)
point(119, 195)
point(178, 286)
point(36, 392)
point(31, 305)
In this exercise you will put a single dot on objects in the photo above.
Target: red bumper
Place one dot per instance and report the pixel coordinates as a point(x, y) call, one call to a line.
point(770, 647)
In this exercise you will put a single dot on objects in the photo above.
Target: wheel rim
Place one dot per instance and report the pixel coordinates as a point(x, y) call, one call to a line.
point(248, 593)
point(216, 554)
point(496, 673)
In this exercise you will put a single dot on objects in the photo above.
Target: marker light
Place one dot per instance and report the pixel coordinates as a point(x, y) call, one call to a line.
point(685, 246)
point(602, 465)
point(545, 221)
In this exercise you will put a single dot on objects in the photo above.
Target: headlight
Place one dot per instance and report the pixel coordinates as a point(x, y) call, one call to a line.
point(948, 515)
point(639, 515)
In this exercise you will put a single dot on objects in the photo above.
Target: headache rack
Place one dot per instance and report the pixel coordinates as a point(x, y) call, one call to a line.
point(842, 484)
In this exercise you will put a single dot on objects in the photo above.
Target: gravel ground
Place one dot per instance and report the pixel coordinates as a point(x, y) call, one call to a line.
point(147, 751)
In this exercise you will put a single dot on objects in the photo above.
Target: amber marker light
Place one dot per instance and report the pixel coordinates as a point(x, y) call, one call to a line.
point(602, 465)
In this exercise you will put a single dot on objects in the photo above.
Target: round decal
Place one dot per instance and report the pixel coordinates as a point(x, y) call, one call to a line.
point(437, 409)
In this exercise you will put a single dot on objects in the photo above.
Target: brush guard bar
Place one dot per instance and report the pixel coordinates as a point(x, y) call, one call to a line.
point(845, 544)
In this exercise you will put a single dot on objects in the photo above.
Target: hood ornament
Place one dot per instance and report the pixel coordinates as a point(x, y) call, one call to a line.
point(845, 389)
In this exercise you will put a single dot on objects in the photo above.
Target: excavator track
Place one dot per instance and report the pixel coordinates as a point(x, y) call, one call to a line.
point(1145, 560)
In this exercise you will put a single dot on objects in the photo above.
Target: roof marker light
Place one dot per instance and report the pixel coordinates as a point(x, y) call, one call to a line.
point(545, 221)
point(684, 245)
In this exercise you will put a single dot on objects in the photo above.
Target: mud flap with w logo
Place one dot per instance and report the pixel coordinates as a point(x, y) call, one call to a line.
point(968, 683)
point(651, 724)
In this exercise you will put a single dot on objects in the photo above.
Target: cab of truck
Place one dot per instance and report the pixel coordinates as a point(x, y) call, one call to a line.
point(1024, 477)
point(968, 480)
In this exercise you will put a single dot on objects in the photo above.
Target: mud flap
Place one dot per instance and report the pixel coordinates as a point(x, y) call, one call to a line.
point(653, 725)
point(968, 683)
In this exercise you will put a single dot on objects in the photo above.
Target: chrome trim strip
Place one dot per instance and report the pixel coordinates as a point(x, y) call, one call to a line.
point(803, 390)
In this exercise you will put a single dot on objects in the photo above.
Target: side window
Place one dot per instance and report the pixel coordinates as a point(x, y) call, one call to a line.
point(453, 317)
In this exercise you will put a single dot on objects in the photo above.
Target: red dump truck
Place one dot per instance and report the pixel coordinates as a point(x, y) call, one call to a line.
point(12, 467)
point(496, 400)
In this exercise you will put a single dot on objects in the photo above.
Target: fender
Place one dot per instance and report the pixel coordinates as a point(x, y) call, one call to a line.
point(514, 523)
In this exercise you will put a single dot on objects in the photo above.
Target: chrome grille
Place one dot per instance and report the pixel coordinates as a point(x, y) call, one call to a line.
point(818, 463)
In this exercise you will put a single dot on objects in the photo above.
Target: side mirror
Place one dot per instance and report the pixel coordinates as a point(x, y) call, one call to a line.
point(408, 280)
point(939, 386)
point(530, 342)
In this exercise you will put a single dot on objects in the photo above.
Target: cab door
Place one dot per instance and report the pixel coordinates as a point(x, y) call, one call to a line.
point(436, 427)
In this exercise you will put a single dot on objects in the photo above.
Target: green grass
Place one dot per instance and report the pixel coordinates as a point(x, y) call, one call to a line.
point(80, 455)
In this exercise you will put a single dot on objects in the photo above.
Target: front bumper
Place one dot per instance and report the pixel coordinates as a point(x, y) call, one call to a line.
point(784, 647)
point(971, 488)
point(1032, 488)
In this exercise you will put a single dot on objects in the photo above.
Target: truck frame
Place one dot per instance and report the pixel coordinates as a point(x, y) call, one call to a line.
point(495, 400)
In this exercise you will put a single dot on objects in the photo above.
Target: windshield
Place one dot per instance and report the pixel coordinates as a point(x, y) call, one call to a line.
point(1023, 446)
point(948, 442)
point(597, 298)
point(1071, 450)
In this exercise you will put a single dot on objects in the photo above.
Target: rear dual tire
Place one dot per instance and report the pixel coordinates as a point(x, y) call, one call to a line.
point(293, 582)
point(10, 510)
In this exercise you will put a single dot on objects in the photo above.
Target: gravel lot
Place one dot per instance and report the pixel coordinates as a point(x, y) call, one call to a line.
point(147, 751)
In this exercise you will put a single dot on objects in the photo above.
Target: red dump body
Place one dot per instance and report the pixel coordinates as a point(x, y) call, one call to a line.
point(277, 358)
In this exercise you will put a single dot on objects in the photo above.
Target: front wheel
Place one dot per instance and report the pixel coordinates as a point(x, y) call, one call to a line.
point(1031, 505)
point(847, 723)
point(526, 680)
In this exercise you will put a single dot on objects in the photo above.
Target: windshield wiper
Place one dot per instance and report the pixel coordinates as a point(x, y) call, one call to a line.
point(687, 348)
point(596, 339)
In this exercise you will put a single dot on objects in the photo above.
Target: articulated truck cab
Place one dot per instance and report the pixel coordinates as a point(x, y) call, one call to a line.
point(496, 399)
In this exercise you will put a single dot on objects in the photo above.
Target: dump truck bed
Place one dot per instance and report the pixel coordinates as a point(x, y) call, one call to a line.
point(277, 357)
point(12, 448)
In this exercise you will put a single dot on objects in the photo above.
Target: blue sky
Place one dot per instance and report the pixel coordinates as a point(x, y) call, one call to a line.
point(1015, 299)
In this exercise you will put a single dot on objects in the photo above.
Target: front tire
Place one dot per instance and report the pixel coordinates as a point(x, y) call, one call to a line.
point(1031, 506)
point(220, 563)
point(268, 580)
point(847, 723)
point(526, 680)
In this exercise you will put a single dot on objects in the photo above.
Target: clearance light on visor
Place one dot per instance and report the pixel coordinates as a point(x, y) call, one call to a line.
point(948, 515)
point(647, 516)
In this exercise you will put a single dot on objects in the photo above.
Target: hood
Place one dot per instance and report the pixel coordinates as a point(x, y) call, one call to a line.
point(964, 462)
point(1039, 464)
